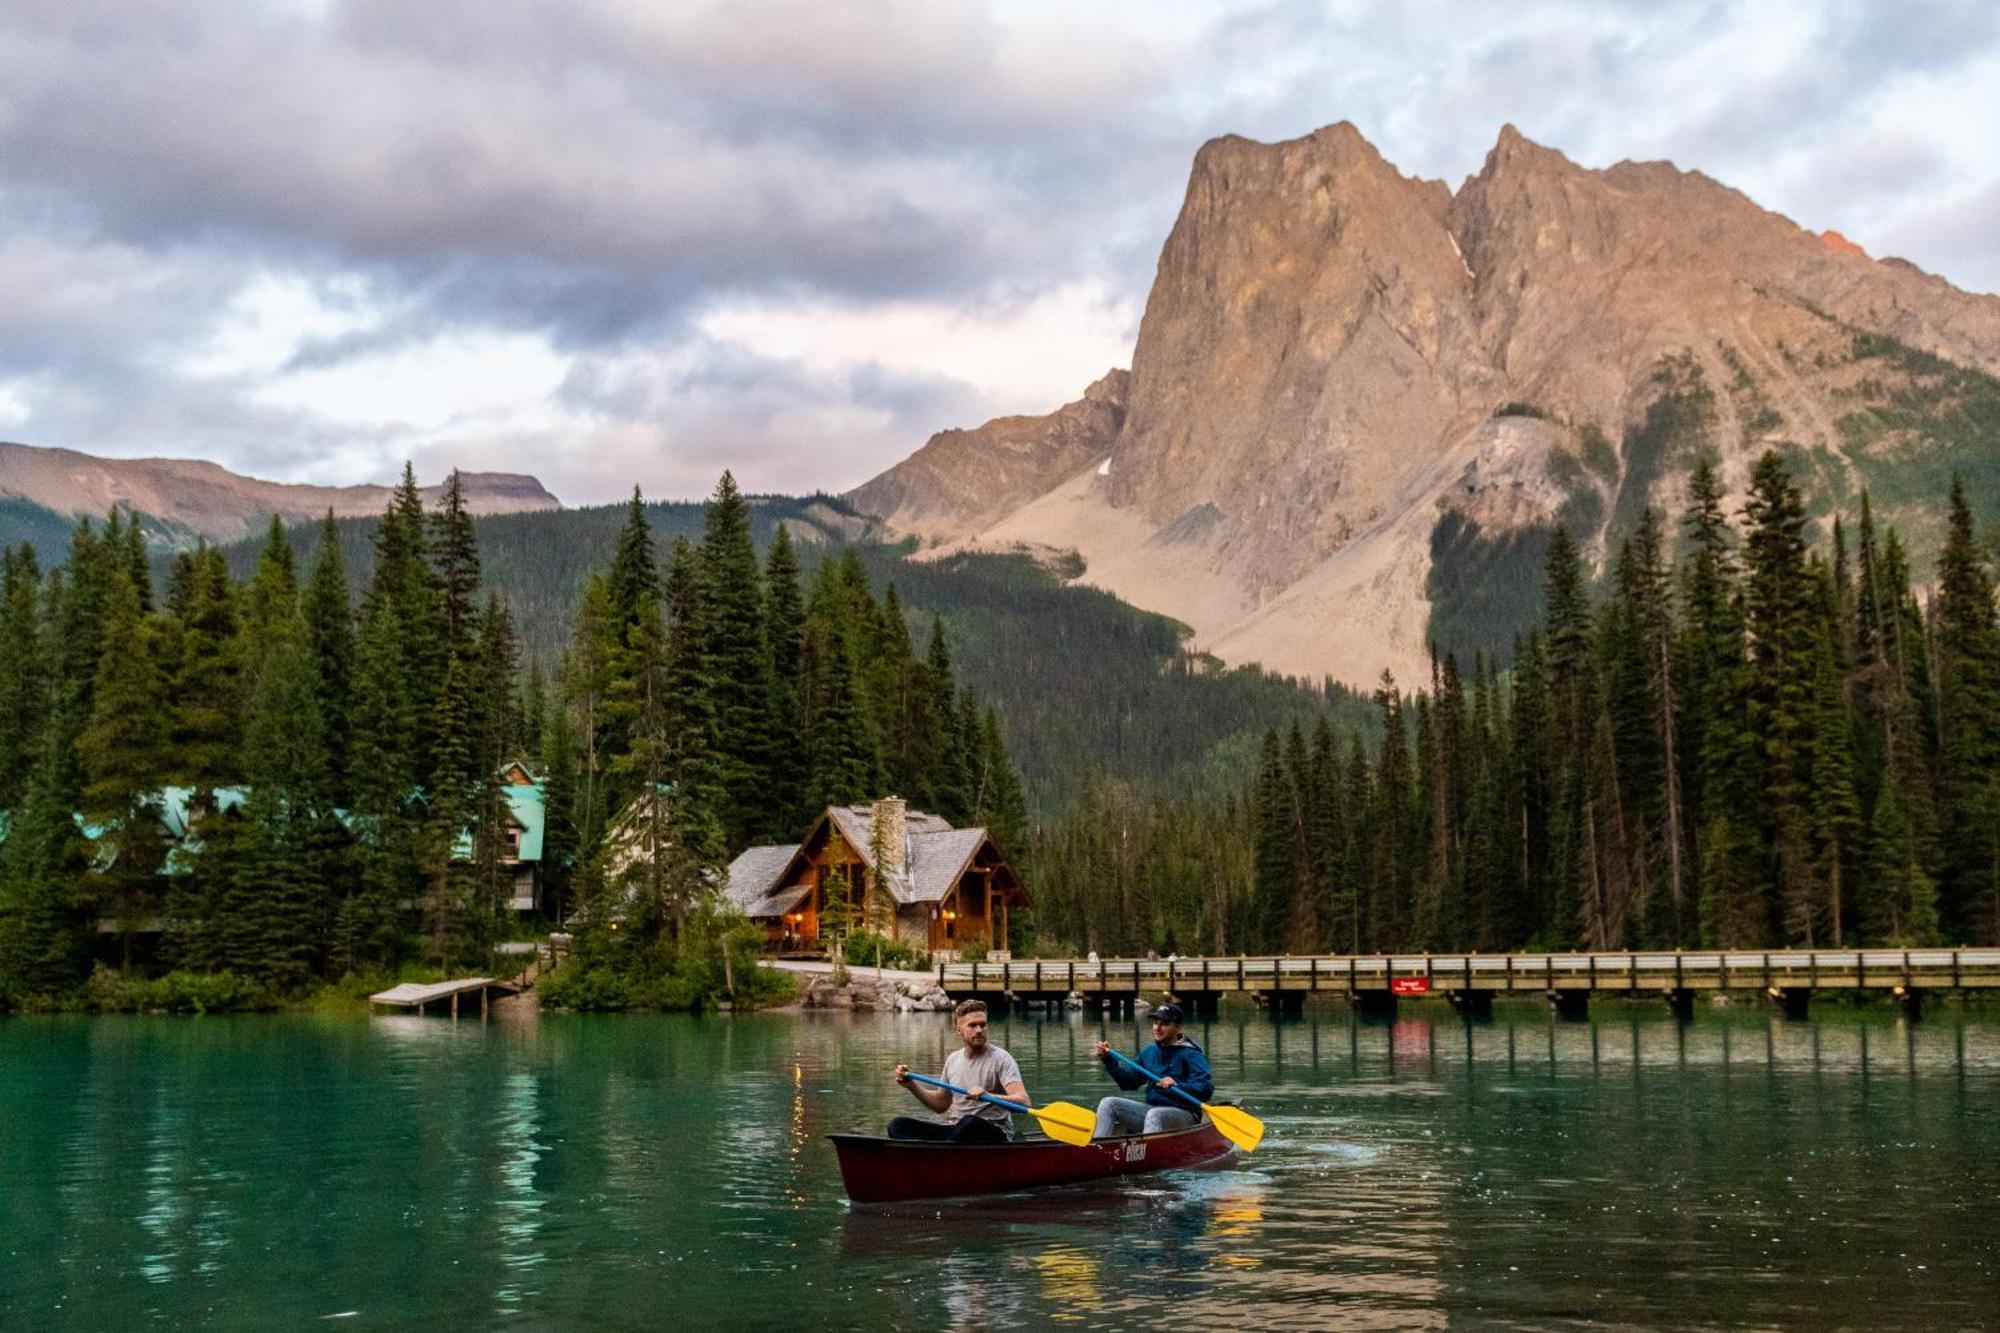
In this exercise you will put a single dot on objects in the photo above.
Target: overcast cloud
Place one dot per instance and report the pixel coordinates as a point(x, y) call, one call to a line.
point(620, 242)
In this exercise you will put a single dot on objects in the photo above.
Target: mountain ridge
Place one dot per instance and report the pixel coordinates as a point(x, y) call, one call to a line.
point(182, 498)
point(1352, 388)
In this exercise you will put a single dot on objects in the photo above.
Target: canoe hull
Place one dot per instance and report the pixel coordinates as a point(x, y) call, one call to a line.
point(879, 1170)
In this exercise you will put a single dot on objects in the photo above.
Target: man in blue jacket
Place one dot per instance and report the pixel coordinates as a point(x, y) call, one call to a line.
point(1174, 1061)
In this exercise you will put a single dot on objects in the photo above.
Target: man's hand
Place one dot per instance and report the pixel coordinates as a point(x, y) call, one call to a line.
point(1163, 1082)
point(975, 1092)
point(903, 1075)
point(1101, 1049)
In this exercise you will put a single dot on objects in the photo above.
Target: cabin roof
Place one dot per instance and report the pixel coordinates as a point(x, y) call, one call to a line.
point(857, 824)
point(936, 861)
point(527, 807)
point(755, 877)
point(936, 857)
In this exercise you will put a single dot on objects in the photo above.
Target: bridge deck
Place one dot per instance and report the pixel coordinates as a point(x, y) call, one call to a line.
point(1538, 973)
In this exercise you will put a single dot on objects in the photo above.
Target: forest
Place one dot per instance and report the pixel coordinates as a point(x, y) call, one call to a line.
point(1733, 737)
point(1757, 744)
point(245, 788)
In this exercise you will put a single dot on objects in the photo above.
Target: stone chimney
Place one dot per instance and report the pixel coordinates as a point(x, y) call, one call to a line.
point(889, 839)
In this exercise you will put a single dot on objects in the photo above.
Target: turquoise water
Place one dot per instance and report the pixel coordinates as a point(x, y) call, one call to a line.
point(639, 1172)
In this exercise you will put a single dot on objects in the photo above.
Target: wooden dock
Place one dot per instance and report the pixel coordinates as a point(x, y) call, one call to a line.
point(419, 996)
point(1570, 980)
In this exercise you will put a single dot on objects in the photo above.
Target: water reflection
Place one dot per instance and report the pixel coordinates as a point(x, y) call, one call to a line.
point(1524, 1171)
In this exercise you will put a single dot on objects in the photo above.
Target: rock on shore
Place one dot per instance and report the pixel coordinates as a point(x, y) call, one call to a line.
point(903, 997)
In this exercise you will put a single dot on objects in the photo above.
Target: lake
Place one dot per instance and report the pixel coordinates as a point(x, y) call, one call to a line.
point(567, 1172)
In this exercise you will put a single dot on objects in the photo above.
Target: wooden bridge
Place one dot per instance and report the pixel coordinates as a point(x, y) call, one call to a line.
point(1569, 980)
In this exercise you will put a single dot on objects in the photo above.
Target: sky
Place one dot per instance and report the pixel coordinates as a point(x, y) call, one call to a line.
point(614, 243)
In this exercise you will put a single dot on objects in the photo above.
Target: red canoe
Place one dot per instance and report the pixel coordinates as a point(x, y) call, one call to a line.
point(879, 1170)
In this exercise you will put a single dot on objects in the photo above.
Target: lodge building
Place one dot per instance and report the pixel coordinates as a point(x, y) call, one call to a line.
point(939, 888)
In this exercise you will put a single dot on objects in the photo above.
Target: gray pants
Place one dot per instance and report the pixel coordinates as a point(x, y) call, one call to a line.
point(1119, 1116)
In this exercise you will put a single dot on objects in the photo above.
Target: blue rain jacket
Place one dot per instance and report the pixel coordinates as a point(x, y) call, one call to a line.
point(1182, 1062)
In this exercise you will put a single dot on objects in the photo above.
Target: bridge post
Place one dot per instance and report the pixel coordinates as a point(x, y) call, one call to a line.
point(1285, 1003)
point(1374, 1004)
point(1792, 1001)
point(1912, 1001)
point(1572, 1006)
point(1681, 1001)
point(1472, 1004)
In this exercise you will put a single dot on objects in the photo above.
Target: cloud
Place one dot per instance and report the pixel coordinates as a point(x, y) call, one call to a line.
point(615, 241)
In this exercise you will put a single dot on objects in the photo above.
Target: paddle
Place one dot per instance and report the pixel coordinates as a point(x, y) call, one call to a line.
point(1241, 1128)
point(1065, 1122)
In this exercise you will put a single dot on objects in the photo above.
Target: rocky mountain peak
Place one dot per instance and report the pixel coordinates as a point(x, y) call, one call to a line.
point(1348, 380)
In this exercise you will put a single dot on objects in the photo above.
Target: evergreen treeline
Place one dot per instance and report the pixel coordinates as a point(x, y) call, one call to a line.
point(1754, 745)
point(274, 781)
point(323, 760)
point(1084, 684)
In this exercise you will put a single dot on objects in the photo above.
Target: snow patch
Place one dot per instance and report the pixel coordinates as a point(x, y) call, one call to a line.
point(1104, 468)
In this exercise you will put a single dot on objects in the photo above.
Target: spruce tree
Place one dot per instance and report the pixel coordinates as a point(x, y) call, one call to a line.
point(784, 618)
point(1968, 723)
point(24, 674)
point(738, 656)
point(330, 643)
point(44, 917)
point(207, 691)
point(124, 758)
point(1779, 620)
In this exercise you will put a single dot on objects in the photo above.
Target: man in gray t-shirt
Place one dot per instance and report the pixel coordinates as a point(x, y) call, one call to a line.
point(977, 1066)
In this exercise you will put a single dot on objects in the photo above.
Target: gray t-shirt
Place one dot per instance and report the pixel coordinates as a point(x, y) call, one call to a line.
point(993, 1071)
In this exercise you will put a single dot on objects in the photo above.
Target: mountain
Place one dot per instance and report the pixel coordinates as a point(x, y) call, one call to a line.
point(43, 491)
point(1360, 402)
point(961, 479)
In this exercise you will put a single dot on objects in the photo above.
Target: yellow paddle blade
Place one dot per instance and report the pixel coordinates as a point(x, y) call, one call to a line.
point(1241, 1128)
point(1066, 1122)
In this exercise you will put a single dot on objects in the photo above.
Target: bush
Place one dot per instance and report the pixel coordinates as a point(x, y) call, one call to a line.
point(866, 949)
point(714, 958)
point(110, 991)
point(974, 952)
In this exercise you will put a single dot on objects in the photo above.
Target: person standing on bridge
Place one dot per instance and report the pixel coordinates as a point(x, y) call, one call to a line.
point(1174, 1060)
point(977, 1066)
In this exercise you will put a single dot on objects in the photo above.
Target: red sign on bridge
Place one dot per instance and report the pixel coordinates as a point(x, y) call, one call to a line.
point(1409, 985)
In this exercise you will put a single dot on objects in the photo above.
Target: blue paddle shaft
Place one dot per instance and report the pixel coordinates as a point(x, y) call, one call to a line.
point(1152, 1078)
point(963, 1092)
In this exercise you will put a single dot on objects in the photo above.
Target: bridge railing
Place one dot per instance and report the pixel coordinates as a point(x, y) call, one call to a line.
point(1621, 970)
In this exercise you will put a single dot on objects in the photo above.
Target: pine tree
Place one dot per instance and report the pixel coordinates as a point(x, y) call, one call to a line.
point(124, 758)
point(138, 563)
point(738, 657)
point(207, 691)
point(1778, 616)
point(272, 595)
point(44, 947)
point(1968, 721)
point(1577, 908)
point(1275, 866)
point(24, 674)
point(330, 643)
point(1734, 908)
point(784, 617)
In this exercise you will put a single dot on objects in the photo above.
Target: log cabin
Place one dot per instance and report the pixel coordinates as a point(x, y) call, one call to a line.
point(892, 870)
